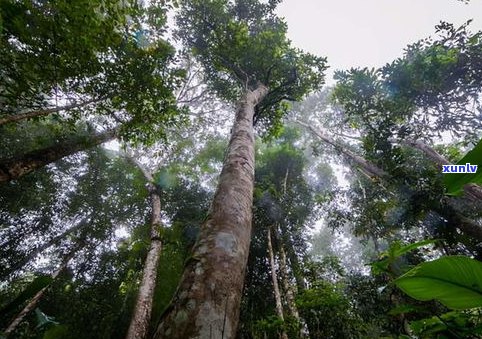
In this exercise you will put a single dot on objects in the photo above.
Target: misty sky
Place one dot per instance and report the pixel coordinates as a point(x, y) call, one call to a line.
point(369, 32)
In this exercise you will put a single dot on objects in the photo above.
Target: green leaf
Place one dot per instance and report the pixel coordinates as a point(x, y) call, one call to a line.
point(395, 251)
point(455, 281)
point(463, 324)
point(405, 249)
point(428, 326)
point(455, 182)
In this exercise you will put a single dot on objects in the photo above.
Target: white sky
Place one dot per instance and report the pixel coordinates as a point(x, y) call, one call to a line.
point(359, 33)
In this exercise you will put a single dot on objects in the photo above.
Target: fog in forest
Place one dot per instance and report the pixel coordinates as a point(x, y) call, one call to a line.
point(240, 169)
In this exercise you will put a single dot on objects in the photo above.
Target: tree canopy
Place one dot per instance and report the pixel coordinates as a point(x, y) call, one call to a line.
point(131, 208)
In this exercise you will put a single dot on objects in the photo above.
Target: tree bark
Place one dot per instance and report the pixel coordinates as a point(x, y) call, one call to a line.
point(288, 288)
point(206, 304)
point(141, 317)
point(34, 301)
point(274, 279)
point(14, 168)
point(45, 112)
point(297, 271)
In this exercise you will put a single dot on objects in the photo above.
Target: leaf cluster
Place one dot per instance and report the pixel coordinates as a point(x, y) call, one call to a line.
point(239, 53)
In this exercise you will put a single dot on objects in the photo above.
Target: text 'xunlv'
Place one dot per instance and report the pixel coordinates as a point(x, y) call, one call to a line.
point(467, 168)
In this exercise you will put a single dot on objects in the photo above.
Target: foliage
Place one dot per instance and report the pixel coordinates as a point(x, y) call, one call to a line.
point(456, 181)
point(273, 326)
point(50, 58)
point(461, 324)
point(389, 260)
point(436, 81)
point(52, 54)
point(430, 91)
point(372, 304)
point(101, 182)
point(328, 312)
point(47, 44)
point(259, 51)
point(441, 72)
point(453, 280)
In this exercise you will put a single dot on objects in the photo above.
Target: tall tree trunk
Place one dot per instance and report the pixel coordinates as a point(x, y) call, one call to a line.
point(141, 317)
point(32, 304)
point(43, 247)
point(207, 302)
point(45, 112)
point(17, 167)
point(274, 279)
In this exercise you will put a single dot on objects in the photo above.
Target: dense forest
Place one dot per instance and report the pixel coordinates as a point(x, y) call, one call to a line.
point(179, 169)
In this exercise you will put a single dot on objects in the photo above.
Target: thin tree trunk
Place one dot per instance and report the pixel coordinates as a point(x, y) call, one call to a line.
point(45, 112)
point(472, 191)
point(289, 293)
point(365, 165)
point(297, 272)
point(43, 247)
point(429, 151)
point(465, 224)
point(141, 317)
point(14, 168)
point(32, 304)
point(451, 212)
point(294, 263)
point(274, 279)
point(207, 302)
point(376, 245)
point(288, 288)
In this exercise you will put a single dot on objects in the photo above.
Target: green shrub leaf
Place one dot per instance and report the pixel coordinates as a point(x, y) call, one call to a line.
point(455, 182)
point(455, 281)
